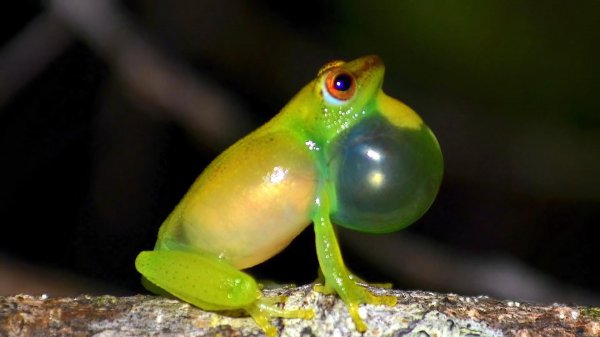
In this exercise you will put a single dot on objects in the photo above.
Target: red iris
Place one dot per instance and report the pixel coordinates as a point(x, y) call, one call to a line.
point(340, 84)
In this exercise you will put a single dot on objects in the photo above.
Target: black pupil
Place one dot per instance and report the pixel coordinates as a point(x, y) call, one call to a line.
point(342, 82)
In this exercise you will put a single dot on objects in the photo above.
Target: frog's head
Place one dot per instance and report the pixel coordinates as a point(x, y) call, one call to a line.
point(344, 93)
point(341, 95)
point(344, 88)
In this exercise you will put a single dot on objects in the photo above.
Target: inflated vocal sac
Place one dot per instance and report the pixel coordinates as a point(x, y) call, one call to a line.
point(385, 177)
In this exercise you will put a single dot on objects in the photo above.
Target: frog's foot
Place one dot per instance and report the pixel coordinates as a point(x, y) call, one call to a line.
point(266, 308)
point(354, 295)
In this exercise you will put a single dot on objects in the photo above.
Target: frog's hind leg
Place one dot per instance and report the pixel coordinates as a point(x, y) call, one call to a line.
point(202, 280)
point(211, 284)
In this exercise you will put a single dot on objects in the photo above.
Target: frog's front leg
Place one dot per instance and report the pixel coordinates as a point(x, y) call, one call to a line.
point(211, 284)
point(337, 277)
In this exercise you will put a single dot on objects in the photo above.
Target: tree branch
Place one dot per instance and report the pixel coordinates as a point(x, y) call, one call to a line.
point(417, 313)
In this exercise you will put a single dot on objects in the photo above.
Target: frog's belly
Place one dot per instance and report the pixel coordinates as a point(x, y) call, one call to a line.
point(251, 201)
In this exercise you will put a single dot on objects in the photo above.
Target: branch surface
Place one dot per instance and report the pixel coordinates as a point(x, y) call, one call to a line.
point(417, 313)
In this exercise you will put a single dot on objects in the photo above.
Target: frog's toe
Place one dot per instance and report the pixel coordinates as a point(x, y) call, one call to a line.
point(272, 310)
point(323, 289)
point(358, 321)
point(359, 295)
point(382, 285)
point(388, 300)
point(262, 318)
point(269, 306)
point(266, 308)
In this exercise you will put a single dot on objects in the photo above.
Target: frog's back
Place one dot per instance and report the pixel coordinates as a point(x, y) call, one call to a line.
point(249, 203)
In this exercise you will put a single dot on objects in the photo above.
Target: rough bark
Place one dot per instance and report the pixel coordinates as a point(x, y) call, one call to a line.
point(417, 313)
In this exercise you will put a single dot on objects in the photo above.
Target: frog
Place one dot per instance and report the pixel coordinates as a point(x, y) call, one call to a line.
point(341, 152)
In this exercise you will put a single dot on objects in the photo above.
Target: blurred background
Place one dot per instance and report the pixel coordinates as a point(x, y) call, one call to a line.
point(110, 109)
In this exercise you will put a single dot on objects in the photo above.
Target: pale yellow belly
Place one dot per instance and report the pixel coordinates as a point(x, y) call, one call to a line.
point(251, 202)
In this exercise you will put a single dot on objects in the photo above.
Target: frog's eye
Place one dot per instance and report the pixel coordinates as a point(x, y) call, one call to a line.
point(340, 86)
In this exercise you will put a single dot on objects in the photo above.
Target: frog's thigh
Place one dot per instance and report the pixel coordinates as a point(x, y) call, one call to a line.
point(204, 281)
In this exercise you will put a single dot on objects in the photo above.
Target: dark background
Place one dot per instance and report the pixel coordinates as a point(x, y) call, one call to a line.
point(108, 113)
